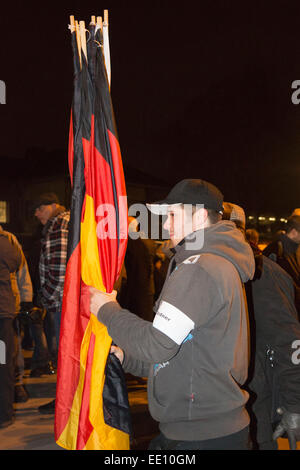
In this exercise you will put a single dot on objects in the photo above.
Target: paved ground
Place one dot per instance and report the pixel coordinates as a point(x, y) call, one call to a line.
point(33, 431)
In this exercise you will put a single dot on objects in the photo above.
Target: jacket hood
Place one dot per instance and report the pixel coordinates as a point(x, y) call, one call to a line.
point(222, 239)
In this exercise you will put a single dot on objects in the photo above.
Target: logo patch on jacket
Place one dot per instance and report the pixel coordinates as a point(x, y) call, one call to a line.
point(192, 259)
point(157, 367)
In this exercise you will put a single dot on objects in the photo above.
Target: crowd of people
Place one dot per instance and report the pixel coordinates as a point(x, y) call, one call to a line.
point(210, 320)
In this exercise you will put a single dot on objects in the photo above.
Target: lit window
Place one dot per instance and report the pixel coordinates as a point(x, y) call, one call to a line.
point(3, 212)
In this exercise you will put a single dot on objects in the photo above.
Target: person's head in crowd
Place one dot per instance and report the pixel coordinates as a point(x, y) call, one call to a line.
point(192, 204)
point(293, 228)
point(236, 214)
point(45, 207)
point(296, 211)
point(252, 235)
point(132, 224)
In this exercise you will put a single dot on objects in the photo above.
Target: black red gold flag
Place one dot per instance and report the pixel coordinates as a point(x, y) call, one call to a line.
point(92, 410)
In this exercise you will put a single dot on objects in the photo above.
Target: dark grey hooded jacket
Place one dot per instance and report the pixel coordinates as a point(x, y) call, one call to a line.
point(195, 353)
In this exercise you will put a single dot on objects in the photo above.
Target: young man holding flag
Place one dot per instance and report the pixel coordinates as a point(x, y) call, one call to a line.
point(195, 353)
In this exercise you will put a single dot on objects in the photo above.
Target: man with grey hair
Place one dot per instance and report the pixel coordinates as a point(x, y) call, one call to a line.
point(195, 353)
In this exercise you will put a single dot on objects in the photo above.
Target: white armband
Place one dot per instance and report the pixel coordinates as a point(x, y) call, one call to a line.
point(172, 322)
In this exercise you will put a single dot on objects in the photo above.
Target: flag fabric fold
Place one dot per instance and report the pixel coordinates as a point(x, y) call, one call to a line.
point(92, 409)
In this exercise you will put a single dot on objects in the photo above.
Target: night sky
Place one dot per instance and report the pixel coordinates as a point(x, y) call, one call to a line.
point(198, 92)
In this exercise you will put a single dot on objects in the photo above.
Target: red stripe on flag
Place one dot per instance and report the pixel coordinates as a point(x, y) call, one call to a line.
point(75, 317)
point(121, 191)
point(117, 163)
point(97, 170)
point(85, 427)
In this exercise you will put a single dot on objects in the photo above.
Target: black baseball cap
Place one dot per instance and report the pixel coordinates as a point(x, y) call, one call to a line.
point(45, 199)
point(190, 191)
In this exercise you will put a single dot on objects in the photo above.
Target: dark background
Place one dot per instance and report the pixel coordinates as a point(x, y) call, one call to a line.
point(199, 90)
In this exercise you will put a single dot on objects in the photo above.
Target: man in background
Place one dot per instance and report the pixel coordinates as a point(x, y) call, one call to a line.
point(52, 264)
point(274, 372)
point(138, 292)
point(285, 250)
point(23, 293)
point(10, 260)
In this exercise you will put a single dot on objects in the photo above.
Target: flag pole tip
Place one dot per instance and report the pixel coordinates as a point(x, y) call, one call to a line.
point(106, 17)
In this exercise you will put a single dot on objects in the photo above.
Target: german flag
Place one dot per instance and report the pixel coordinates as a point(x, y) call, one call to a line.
point(92, 409)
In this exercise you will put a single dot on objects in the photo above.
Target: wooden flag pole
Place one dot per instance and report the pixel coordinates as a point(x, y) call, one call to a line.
point(100, 22)
point(78, 41)
point(83, 38)
point(72, 24)
point(106, 48)
point(106, 17)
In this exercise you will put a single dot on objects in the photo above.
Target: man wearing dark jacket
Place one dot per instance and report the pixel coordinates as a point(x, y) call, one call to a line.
point(195, 352)
point(274, 379)
point(285, 251)
point(138, 295)
point(10, 260)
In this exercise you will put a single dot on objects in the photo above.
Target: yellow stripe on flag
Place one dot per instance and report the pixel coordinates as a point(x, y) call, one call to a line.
point(68, 438)
point(90, 265)
point(103, 436)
